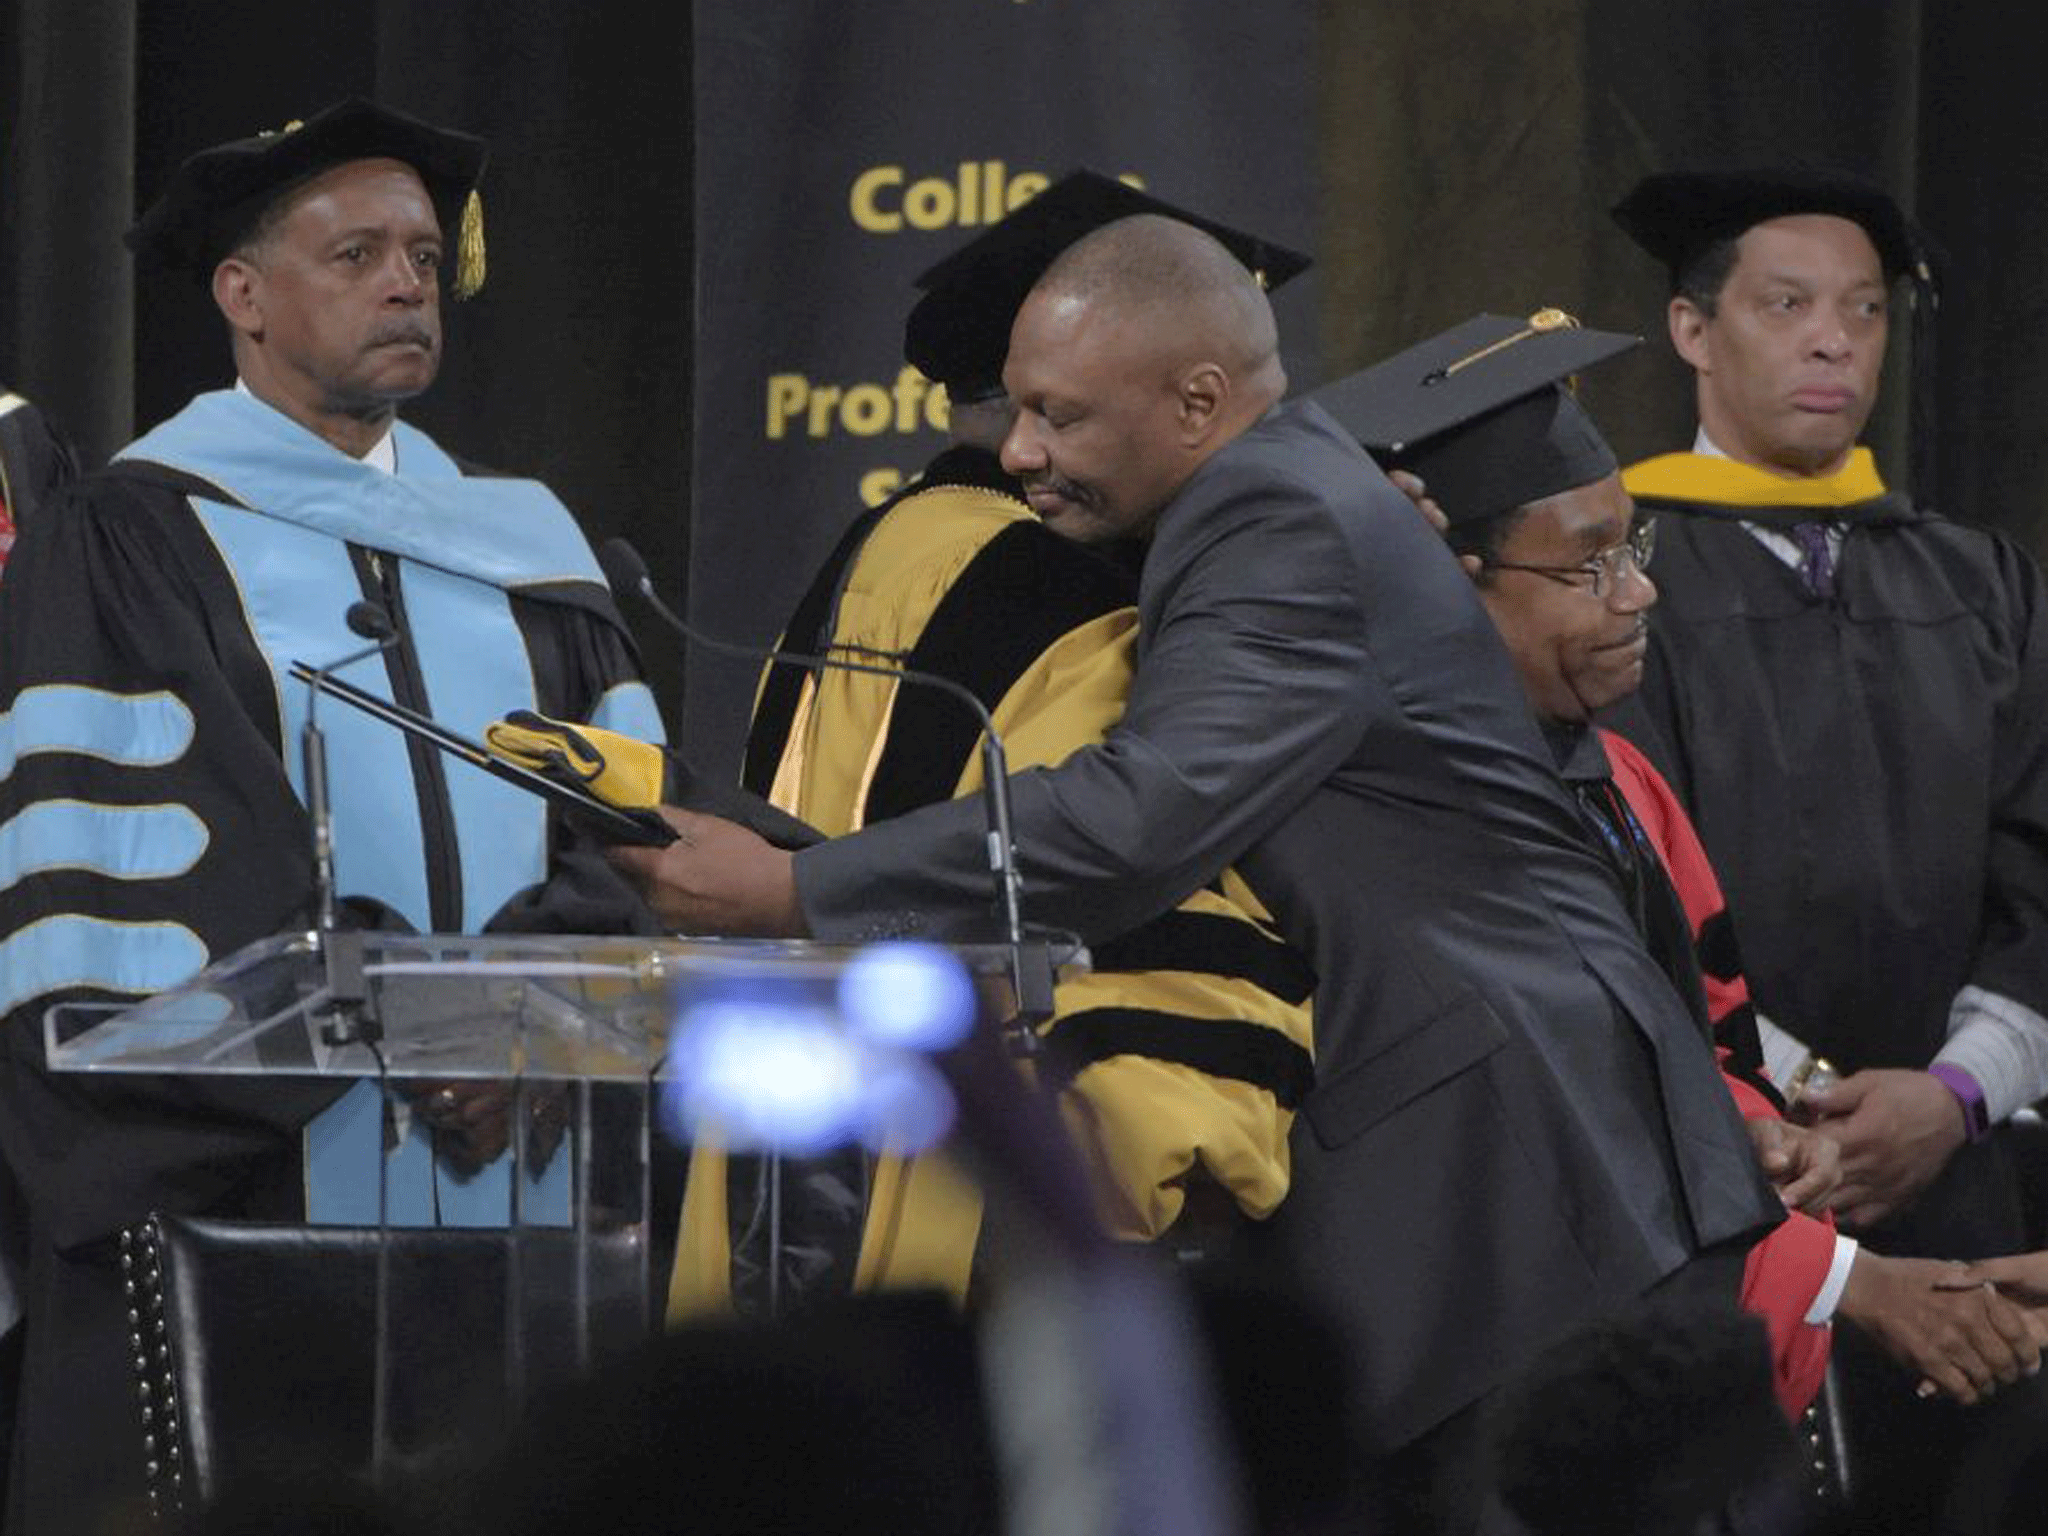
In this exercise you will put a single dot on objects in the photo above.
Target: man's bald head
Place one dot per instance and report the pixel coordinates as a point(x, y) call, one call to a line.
point(1144, 348)
point(1180, 280)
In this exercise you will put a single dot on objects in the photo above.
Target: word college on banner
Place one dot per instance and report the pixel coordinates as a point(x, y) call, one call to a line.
point(841, 150)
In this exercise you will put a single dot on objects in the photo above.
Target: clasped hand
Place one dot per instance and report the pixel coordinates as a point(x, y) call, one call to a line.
point(472, 1119)
point(1942, 1321)
point(1805, 1165)
point(1896, 1129)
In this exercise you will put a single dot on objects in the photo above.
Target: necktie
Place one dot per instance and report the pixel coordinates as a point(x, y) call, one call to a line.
point(1816, 560)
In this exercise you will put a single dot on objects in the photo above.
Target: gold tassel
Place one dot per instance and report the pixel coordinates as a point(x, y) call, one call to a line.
point(1543, 320)
point(469, 248)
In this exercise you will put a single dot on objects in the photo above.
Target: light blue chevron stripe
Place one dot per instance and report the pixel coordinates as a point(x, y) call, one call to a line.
point(139, 730)
point(125, 842)
point(72, 950)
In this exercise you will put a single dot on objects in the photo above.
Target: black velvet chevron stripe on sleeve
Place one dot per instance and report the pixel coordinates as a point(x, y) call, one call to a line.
point(1025, 589)
point(1229, 1048)
point(1214, 944)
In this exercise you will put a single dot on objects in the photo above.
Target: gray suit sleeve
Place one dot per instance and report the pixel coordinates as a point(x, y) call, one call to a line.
point(1249, 693)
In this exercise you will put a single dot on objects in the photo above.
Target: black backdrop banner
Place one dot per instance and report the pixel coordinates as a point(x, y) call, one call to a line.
point(1465, 157)
point(843, 148)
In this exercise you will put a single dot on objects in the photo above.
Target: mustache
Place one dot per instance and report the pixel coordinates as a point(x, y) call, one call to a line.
point(1061, 487)
point(1637, 631)
point(403, 333)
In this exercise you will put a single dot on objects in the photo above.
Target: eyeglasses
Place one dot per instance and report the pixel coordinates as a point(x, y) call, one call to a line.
point(1601, 569)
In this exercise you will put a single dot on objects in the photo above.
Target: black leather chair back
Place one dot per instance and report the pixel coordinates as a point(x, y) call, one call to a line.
point(254, 1343)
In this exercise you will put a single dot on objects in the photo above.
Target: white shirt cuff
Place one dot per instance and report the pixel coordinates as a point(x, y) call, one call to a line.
point(2001, 1043)
point(1829, 1296)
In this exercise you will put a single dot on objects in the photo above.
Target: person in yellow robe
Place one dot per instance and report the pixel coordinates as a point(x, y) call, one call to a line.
point(1179, 1057)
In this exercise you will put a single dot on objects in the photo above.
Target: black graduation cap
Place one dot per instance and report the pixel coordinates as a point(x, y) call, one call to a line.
point(1677, 214)
point(959, 331)
point(1483, 413)
point(218, 195)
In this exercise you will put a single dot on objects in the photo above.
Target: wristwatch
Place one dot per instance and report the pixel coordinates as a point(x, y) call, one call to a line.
point(1813, 1075)
point(1969, 1093)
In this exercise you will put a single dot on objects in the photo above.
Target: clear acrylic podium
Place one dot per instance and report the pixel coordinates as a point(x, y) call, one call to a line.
point(454, 1322)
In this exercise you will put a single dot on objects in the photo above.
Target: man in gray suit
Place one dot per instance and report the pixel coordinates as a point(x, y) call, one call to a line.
point(1515, 1126)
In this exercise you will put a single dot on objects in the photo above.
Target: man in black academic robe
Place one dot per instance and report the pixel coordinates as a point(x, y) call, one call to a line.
point(1850, 692)
point(35, 459)
point(152, 819)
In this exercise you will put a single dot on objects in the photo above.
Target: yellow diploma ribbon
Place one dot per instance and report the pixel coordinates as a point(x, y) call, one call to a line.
point(620, 770)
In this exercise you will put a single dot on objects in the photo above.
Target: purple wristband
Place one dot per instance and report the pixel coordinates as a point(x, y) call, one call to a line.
point(1976, 1118)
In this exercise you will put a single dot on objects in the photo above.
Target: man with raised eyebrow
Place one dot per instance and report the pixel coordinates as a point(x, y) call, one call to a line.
point(1849, 691)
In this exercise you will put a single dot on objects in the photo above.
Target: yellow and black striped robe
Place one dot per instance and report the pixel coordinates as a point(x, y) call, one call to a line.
point(1180, 1057)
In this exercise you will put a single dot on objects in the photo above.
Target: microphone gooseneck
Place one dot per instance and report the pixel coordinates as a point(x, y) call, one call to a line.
point(344, 967)
point(626, 571)
point(373, 624)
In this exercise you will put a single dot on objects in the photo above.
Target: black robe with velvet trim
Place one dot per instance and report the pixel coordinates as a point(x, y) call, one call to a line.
point(1869, 773)
point(120, 589)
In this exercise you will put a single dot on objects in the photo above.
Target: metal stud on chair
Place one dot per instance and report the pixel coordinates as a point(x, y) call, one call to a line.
point(155, 1384)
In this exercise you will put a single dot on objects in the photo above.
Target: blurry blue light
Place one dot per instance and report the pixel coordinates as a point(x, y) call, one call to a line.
point(803, 1064)
point(766, 1074)
point(908, 1106)
point(908, 995)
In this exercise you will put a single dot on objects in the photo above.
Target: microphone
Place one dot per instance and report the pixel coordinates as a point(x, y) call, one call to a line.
point(344, 961)
point(626, 571)
point(371, 622)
